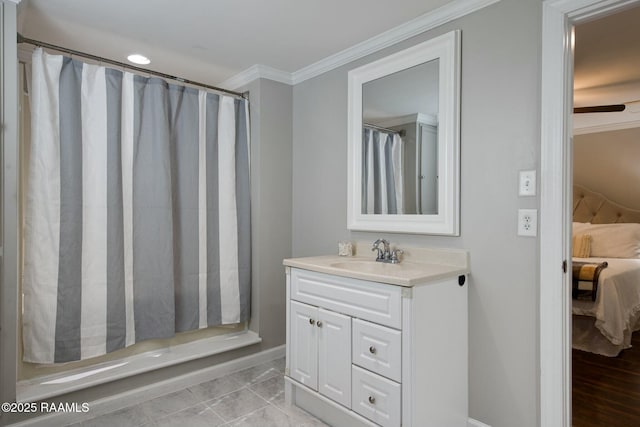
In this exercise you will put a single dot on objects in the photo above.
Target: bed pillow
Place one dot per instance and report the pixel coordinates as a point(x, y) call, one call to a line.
point(580, 227)
point(614, 240)
point(582, 246)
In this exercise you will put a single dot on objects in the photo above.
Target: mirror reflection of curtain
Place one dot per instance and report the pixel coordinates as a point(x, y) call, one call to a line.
point(382, 172)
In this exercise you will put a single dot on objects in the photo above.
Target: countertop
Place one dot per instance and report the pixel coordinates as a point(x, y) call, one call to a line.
point(420, 266)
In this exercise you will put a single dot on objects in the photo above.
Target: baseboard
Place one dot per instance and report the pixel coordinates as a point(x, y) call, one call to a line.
point(141, 394)
point(475, 423)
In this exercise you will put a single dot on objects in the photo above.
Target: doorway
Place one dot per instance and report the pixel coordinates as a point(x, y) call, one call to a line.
point(606, 129)
point(559, 17)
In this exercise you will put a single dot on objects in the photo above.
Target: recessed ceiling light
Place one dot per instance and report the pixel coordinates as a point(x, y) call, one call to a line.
point(136, 58)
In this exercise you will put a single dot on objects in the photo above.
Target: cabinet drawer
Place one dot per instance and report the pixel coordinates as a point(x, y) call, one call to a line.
point(376, 398)
point(371, 301)
point(377, 348)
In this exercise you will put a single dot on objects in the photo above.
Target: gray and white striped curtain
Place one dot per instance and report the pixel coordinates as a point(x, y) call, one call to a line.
point(382, 172)
point(137, 222)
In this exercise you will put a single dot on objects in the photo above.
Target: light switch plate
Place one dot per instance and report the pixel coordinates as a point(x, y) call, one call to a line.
point(527, 183)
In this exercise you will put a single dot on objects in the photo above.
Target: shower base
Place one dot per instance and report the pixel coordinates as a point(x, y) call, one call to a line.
point(44, 387)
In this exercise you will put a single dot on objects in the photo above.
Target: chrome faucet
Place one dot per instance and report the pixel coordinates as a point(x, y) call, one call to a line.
point(383, 254)
point(386, 254)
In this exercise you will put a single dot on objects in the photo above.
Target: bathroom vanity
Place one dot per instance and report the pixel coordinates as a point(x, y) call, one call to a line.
point(372, 343)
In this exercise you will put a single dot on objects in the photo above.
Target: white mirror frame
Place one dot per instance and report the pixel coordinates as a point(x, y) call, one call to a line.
point(446, 49)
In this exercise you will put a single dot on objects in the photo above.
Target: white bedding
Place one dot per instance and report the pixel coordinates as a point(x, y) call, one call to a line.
point(616, 309)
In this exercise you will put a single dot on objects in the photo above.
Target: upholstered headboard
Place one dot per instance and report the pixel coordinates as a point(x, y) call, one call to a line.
point(589, 206)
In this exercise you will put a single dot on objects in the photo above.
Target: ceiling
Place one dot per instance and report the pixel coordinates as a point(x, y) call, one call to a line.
point(211, 41)
point(607, 60)
point(607, 71)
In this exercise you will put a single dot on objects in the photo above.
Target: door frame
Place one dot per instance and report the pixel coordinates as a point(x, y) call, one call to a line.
point(558, 19)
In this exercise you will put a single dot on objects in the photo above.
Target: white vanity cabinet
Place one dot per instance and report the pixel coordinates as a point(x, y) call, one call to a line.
point(366, 353)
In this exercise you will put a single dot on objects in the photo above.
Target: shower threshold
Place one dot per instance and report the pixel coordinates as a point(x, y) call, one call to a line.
point(44, 387)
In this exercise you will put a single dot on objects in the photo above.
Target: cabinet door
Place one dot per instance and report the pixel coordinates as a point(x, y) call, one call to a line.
point(303, 366)
point(334, 356)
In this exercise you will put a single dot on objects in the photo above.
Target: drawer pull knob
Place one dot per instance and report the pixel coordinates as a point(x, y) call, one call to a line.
point(319, 324)
point(372, 350)
point(312, 322)
point(372, 400)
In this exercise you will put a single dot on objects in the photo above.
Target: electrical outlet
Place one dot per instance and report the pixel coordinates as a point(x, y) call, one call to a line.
point(527, 222)
point(527, 183)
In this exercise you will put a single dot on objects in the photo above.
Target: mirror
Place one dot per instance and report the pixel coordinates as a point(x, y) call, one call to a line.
point(404, 140)
point(399, 143)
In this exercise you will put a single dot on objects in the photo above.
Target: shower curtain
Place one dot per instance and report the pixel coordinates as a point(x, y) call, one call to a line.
point(137, 222)
point(382, 191)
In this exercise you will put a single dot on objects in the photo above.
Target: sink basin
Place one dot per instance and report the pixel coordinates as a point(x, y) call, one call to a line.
point(374, 267)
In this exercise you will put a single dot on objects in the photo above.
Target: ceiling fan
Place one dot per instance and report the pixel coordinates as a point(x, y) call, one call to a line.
point(611, 108)
point(600, 109)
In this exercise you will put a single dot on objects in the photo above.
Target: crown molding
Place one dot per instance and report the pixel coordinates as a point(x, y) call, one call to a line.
point(422, 23)
point(450, 11)
point(257, 71)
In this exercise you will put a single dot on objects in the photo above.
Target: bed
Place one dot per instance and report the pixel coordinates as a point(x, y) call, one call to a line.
point(605, 325)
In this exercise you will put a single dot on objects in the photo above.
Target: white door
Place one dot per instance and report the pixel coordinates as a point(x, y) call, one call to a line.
point(303, 366)
point(428, 170)
point(334, 356)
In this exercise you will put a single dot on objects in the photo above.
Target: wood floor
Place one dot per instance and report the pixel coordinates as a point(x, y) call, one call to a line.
point(606, 390)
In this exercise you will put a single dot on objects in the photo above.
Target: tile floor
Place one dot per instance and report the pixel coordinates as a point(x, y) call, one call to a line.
point(248, 398)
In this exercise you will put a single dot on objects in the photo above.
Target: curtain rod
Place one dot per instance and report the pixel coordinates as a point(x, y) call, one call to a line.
point(22, 39)
point(400, 132)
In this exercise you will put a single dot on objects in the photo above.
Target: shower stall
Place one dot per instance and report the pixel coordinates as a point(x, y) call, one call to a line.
point(134, 212)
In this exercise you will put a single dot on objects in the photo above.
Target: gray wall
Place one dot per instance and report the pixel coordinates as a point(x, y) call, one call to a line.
point(499, 136)
point(271, 150)
point(607, 162)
